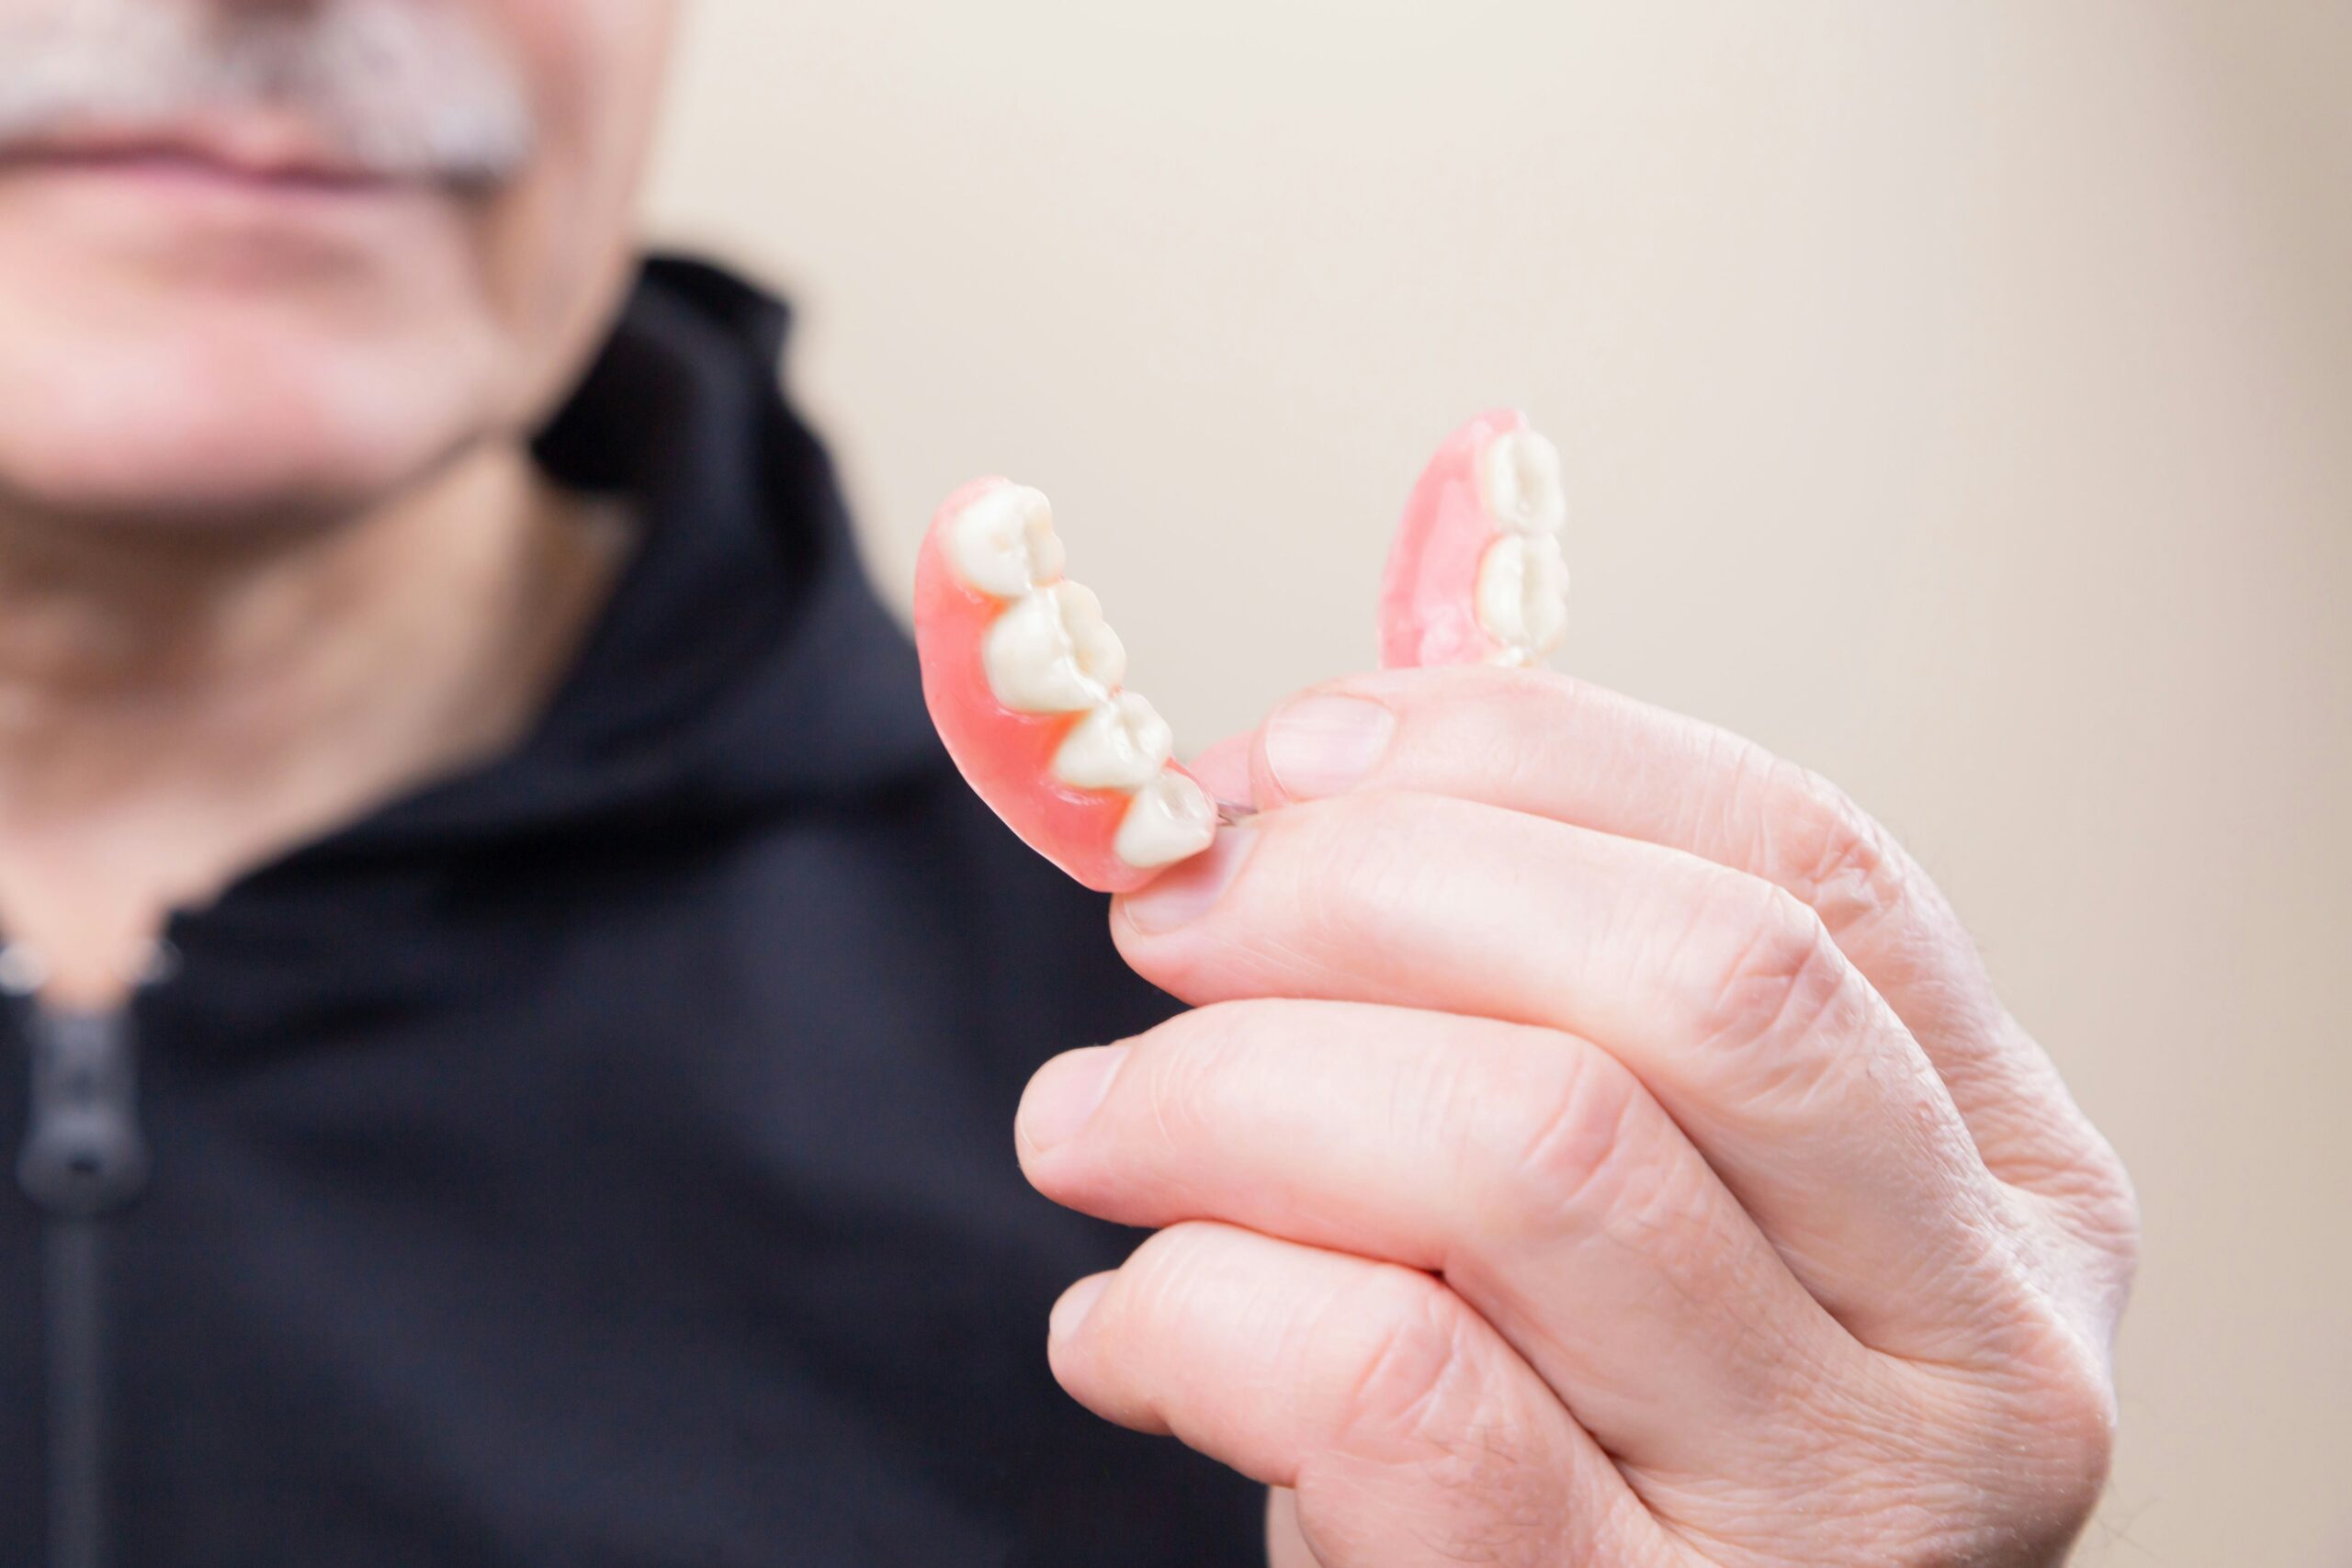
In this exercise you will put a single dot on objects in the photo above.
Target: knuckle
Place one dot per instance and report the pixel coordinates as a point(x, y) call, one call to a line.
point(2064, 1408)
point(2085, 1417)
point(2082, 1198)
point(1813, 840)
point(2084, 1411)
point(1424, 1398)
point(1761, 969)
point(1572, 1113)
point(1412, 1383)
point(2103, 1209)
point(2044, 1405)
point(1947, 1469)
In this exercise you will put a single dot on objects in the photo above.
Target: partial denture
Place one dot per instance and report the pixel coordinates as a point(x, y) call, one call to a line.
point(1476, 575)
point(1023, 678)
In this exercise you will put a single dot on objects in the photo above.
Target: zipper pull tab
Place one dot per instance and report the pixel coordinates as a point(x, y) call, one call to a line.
point(83, 1153)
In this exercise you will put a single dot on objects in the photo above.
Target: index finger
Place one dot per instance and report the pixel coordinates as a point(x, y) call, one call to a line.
point(1551, 746)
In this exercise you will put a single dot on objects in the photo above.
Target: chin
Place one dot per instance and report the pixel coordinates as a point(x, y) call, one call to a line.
point(214, 428)
point(186, 390)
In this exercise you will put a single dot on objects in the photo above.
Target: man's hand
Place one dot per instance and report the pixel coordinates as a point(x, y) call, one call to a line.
point(1597, 1143)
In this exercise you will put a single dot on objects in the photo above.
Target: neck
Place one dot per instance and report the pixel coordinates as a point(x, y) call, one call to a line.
point(177, 706)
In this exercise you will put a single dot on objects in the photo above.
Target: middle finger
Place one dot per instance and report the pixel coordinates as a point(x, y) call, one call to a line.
point(1725, 996)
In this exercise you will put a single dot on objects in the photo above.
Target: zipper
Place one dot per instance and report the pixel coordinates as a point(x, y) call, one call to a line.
point(84, 1160)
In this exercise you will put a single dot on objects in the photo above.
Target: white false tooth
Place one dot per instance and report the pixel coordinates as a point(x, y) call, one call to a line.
point(1050, 653)
point(1120, 745)
point(1521, 475)
point(1523, 593)
point(1003, 543)
point(1170, 819)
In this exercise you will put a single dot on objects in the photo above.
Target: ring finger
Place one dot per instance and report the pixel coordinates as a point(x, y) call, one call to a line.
point(1526, 1167)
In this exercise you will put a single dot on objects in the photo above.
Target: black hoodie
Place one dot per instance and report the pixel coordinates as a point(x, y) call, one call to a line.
point(603, 1156)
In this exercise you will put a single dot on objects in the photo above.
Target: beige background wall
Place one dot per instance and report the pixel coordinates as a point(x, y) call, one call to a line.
point(1958, 396)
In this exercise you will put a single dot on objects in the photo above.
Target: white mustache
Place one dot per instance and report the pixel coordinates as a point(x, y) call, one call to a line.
point(400, 89)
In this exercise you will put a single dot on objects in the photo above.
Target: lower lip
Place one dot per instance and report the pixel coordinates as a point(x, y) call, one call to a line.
point(185, 180)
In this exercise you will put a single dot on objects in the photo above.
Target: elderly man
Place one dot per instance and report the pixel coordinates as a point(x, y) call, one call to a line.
point(521, 1023)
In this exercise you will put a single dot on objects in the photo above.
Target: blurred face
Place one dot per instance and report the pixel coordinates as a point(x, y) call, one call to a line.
point(275, 259)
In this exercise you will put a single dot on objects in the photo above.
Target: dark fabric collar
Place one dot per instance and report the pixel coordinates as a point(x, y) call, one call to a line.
point(742, 671)
point(743, 661)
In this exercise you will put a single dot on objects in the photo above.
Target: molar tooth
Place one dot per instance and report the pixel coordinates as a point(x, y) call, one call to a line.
point(1170, 819)
point(1523, 593)
point(1520, 477)
point(1004, 543)
point(1120, 745)
point(1050, 653)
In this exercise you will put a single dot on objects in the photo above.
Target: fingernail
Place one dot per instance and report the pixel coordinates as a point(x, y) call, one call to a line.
point(1064, 1094)
point(1321, 746)
point(1187, 892)
point(1075, 1302)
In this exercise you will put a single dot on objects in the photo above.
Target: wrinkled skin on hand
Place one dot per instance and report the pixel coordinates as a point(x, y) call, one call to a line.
point(1597, 1143)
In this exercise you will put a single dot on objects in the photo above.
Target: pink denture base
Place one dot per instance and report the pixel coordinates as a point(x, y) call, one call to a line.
point(1007, 757)
point(1429, 613)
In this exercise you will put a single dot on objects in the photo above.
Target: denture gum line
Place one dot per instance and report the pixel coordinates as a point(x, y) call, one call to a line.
point(1048, 652)
point(1522, 589)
